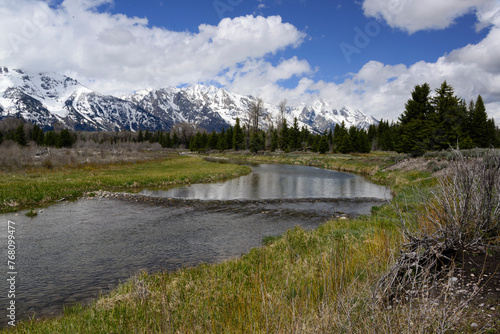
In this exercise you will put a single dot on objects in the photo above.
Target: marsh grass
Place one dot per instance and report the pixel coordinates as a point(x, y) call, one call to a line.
point(38, 187)
point(319, 281)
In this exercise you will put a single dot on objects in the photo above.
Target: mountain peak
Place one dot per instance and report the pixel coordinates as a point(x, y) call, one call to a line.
point(46, 98)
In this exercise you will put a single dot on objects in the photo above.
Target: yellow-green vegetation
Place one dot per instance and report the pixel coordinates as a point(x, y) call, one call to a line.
point(317, 281)
point(38, 187)
point(294, 284)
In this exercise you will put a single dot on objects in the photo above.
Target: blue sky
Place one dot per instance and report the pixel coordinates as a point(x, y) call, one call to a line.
point(365, 54)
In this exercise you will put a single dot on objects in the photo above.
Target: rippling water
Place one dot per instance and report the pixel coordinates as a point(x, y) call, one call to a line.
point(71, 252)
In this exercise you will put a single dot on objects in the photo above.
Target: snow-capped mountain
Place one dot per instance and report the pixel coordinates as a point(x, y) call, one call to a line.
point(213, 108)
point(49, 98)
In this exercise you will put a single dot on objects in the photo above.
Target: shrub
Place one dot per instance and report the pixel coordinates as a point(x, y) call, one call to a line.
point(461, 213)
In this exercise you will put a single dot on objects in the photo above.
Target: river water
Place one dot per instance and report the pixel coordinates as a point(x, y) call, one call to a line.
point(73, 251)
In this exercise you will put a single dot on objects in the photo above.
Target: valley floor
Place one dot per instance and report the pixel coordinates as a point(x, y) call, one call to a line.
point(320, 281)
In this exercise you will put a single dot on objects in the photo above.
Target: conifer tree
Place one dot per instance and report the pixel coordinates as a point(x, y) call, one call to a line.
point(294, 135)
point(222, 141)
point(229, 138)
point(238, 136)
point(416, 121)
point(323, 146)
point(274, 140)
point(65, 139)
point(213, 140)
point(478, 124)
point(450, 117)
point(284, 139)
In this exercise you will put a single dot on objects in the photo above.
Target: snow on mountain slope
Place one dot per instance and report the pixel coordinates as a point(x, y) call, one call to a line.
point(49, 98)
point(206, 104)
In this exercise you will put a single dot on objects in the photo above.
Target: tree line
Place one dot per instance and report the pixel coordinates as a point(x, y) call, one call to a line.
point(439, 122)
point(22, 133)
point(428, 123)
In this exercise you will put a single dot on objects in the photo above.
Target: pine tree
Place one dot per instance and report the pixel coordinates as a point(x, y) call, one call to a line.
point(274, 140)
point(323, 146)
point(65, 139)
point(213, 141)
point(20, 136)
point(50, 139)
point(416, 121)
point(255, 142)
point(449, 115)
point(222, 141)
point(238, 136)
point(284, 139)
point(229, 138)
point(294, 135)
point(478, 124)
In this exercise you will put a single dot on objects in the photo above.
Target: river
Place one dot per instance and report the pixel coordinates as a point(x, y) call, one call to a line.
point(73, 251)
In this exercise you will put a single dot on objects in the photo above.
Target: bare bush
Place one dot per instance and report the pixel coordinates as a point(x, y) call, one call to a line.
point(461, 213)
point(14, 157)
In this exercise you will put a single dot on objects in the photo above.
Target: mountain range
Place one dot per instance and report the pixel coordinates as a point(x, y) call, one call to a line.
point(50, 98)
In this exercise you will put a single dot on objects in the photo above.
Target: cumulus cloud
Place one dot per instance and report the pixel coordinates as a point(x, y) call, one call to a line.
point(117, 52)
point(412, 16)
point(471, 70)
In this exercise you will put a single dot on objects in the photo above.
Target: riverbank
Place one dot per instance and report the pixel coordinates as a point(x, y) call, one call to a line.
point(304, 281)
point(37, 187)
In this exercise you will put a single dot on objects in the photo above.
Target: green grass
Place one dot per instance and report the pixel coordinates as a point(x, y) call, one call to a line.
point(42, 187)
point(303, 281)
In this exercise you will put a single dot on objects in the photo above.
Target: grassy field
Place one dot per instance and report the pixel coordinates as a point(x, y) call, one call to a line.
point(319, 281)
point(38, 187)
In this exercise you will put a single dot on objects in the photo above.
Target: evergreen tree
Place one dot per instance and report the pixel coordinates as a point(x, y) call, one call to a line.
point(229, 138)
point(491, 133)
point(323, 145)
point(449, 116)
point(304, 137)
point(140, 137)
point(341, 139)
point(238, 136)
point(294, 135)
point(213, 141)
point(255, 142)
point(65, 139)
point(274, 140)
point(416, 121)
point(175, 140)
point(478, 124)
point(364, 143)
point(222, 141)
point(20, 136)
point(50, 139)
point(284, 139)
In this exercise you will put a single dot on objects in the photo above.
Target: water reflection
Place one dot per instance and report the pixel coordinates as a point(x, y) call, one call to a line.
point(280, 181)
point(72, 251)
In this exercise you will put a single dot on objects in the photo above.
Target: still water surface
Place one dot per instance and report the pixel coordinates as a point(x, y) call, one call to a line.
point(71, 252)
point(280, 181)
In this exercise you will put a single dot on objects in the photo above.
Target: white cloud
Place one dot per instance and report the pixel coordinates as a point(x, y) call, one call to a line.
point(122, 53)
point(412, 16)
point(118, 54)
point(471, 70)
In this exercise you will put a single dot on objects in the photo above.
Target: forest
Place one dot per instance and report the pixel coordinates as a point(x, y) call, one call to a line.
point(429, 122)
